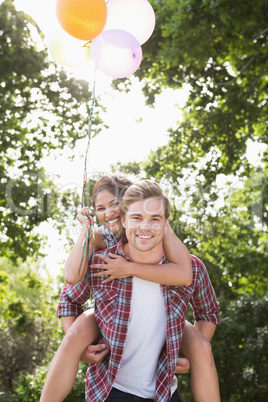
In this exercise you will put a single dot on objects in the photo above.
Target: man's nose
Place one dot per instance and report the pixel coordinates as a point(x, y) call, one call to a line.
point(145, 225)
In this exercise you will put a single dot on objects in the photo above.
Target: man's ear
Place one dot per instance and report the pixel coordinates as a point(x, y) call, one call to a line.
point(123, 221)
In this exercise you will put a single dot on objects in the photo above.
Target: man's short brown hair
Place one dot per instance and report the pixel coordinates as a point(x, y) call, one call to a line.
point(143, 190)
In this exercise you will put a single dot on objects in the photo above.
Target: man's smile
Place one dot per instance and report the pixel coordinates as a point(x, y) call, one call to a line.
point(144, 236)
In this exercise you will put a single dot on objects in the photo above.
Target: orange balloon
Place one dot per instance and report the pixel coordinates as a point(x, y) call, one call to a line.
point(83, 19)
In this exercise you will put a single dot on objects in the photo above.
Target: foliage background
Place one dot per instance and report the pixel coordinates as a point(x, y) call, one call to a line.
point(219, 198)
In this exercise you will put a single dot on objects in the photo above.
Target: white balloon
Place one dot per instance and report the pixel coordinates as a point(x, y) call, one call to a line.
point(134, 16)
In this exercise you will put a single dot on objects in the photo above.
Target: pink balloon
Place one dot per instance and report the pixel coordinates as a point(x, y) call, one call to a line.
point(116, 53)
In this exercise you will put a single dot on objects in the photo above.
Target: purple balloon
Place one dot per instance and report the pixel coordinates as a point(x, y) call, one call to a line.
point(116, 53)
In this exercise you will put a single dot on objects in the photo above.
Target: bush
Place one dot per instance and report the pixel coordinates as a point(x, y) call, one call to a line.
point(29, 387)
point(240, 348)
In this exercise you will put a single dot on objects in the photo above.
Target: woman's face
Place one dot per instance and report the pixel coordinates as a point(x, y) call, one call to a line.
point(107, 207)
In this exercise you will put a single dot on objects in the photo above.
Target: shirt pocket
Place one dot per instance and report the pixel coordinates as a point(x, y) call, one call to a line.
point(179, 303)
point(105, 304)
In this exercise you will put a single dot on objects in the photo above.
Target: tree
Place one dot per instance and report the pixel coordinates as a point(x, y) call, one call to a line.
point(40, 111)
point(219, 49)
point(229, 234)
point(30, 332)
point(29, 328)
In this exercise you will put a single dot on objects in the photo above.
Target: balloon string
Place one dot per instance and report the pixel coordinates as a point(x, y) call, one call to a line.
point(89, 232)
point(88, 144)
point(87, 44)
point(85, 245)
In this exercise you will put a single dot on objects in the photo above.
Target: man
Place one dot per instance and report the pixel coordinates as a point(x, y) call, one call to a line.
point(142, 322)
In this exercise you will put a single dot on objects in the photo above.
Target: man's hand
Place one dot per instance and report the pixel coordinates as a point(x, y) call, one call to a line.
point(94, 353)
point(183, 366)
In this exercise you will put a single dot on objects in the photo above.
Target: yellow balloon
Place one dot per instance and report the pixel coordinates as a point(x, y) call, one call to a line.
point(67, 50)
point(82, 19)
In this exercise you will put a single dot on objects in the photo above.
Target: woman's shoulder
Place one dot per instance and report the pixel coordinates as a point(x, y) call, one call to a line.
point(108, 236)
point(97, 240)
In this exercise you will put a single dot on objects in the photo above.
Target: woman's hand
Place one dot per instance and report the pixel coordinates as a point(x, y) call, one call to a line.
point(116, 267)
point(83, 216)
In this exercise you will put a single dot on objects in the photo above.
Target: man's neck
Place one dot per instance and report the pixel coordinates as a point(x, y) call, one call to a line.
point(153, 256)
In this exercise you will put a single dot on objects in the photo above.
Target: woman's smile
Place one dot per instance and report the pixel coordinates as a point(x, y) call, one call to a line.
point(113, 221)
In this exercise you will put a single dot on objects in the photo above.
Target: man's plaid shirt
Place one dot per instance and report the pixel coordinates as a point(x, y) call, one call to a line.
point(112, 312)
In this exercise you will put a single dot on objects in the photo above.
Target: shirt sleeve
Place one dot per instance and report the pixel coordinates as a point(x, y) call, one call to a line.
point(72, 298)
point(203, 301)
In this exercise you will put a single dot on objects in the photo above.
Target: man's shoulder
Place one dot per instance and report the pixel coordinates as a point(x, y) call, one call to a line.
point(200, 272)
point(196, 262)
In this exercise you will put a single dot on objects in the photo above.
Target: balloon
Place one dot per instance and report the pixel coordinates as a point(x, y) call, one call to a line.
point(134, 16)
point(116, 53)
point(67, 50)
point(83, 19)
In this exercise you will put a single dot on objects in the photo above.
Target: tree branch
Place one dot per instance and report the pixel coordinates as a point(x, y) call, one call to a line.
point(256, 80)
point(249, 62)
point(260, 34)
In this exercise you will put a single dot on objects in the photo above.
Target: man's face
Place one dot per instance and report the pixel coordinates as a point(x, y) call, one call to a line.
point(144, 223)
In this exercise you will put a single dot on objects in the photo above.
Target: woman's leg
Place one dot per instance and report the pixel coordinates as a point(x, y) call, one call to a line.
point(204, 377)
point(63, 369)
